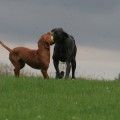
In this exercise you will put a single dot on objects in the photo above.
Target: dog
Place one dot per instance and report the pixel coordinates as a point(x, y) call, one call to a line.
point(37, 59)
point(65, 51)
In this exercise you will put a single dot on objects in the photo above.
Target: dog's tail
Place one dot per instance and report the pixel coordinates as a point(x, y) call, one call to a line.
point(6, 47)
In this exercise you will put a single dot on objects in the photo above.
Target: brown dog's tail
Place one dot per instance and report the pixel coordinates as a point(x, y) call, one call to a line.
point(6, 47)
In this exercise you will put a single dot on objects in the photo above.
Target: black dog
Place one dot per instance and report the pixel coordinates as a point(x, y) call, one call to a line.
point(64, 51)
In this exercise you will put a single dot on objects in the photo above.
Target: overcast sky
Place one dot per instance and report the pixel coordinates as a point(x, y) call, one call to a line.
point(95, 25)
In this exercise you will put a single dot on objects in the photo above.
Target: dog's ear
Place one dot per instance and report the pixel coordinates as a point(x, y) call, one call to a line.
point(47, 45)
point(65, 34)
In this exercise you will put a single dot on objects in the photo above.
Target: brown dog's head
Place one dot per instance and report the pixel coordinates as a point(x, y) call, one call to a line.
point(46, 40)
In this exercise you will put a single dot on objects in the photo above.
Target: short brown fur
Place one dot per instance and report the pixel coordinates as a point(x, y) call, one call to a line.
point(37, 59)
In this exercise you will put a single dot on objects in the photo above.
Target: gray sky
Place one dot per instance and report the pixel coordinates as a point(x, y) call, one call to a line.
point(95, 24)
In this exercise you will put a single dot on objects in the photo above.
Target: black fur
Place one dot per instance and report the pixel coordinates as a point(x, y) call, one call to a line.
point(64, 51)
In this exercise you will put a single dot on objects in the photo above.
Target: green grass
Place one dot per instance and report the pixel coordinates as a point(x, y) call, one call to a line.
point(38, 99)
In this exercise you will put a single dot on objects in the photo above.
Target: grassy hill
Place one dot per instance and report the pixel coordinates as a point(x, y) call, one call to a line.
point(33, 98)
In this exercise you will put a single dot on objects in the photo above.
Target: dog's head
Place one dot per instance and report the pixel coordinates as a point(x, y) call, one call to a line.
point(46, 39)
point(59, 35)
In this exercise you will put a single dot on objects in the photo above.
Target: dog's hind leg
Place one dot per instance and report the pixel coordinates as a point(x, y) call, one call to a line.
point(73, 68)
point(18, 64)
point(17, 71)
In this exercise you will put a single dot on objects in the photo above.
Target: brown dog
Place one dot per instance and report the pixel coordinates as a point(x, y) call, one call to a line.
point(38, 59)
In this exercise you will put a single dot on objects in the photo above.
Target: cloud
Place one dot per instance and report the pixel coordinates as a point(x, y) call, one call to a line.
point(93, 23)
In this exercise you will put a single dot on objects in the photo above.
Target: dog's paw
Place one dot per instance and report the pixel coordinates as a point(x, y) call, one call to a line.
point(60, 75)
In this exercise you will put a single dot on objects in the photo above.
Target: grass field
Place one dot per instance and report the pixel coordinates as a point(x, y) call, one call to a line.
point(38, 99)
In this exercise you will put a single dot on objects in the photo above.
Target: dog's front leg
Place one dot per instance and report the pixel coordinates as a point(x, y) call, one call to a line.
point(68, 68)
point(56, 65)
point(45, 74)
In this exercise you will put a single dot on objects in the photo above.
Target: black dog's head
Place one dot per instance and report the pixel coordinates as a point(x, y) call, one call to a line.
point(59, 35)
